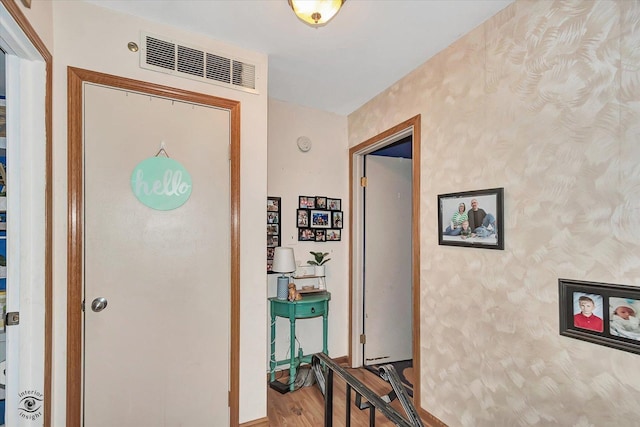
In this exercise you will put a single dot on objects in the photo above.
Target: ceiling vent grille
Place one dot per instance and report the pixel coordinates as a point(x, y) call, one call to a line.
point(191, 62)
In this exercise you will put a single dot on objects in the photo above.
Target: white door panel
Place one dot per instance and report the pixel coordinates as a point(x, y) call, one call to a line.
point(387, 260)
point(158, 355)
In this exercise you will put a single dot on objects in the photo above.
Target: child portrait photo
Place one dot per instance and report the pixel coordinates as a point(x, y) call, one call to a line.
point(587, 311)
point(623, 313)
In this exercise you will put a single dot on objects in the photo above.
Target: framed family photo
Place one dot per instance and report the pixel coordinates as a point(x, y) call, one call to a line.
point(600, 313)
point(321, 202)
point(320, 219)
point(306, 202)
point(472, 218)
point(334, 204)
point(334, 235)
point(303, 218)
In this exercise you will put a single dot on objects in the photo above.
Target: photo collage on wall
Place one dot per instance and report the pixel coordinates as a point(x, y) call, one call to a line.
point(319, 219)
point(273, 229)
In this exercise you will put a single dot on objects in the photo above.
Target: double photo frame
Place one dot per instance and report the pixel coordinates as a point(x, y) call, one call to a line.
point(600, 313)
point(319, 219)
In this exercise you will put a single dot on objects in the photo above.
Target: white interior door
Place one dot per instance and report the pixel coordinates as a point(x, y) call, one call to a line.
point(26, 245)
point(158, 354)
point(387, 260)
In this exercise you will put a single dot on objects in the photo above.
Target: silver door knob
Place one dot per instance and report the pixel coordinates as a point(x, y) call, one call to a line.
point(99, 304)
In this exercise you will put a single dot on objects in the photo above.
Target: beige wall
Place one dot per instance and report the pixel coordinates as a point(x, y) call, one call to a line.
point(543, 100)
point(39, 16)
point(323, 171)
point(93, 38)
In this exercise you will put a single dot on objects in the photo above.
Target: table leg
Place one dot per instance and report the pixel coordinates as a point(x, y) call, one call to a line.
point(272, 357)
point(325, 324)
point(292, 366)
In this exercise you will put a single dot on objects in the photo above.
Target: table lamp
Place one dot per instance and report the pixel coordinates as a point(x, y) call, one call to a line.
point(283, 262)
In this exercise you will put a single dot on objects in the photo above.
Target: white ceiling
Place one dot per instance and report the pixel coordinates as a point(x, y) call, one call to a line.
point(366, 48)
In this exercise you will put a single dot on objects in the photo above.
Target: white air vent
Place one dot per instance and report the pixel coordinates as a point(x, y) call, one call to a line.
point(191, 62)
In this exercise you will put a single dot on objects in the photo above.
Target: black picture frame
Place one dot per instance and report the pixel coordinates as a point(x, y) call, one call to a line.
point(273, 229)
point(611, 303)
point(334, 235)
point(273, 217)
point(302, 218)
point(337, 219)
point(334, 204)
point(486, 235)
point(321, 202)
point(319, 219)
point(306, 235)
point(307, 202)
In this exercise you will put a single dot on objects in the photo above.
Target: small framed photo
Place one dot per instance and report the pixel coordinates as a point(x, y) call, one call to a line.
point(334, 204)
point(472, 218)
point(306, 235)
point(273, 241)
point(334, 235)
point(321, 202)
point(306, 202)
point(600, 313)
point(273, 217)
point(269, 266)
point(270, 253)
point(336, 219)
point(273, 204)
point(320, 219)
point(302, 218)
point(320, 235)
point(273, 229)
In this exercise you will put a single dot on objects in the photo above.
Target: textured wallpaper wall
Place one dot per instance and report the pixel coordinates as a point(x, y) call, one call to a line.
point(543, 100)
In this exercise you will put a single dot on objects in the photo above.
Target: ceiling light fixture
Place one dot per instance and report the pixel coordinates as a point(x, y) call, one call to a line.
point(316, 12)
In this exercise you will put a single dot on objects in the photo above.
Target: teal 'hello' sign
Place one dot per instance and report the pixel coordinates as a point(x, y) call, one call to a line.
point(161, 183)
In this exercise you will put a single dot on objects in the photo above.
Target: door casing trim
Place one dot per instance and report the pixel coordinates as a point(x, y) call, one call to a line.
point(356, 155)
point(76, 77)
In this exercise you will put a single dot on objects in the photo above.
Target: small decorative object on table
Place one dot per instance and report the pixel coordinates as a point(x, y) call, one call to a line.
point(283, 262)
point(294, 295)
point(318, 261)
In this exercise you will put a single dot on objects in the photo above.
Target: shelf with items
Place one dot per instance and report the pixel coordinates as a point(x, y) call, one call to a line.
point(310, 284)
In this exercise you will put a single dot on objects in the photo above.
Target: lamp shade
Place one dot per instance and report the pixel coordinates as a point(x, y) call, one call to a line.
point(316, 12)
point(283, 260)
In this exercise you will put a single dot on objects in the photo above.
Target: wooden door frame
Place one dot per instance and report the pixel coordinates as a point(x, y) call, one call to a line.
point(355, 153)
point(76, 78)
point(39, 45)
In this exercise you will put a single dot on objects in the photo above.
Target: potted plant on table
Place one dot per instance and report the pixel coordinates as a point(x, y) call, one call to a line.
point(318, 261)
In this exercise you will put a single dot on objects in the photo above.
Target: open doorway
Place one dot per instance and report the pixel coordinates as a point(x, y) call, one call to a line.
point(370, 312)
point(386, 280)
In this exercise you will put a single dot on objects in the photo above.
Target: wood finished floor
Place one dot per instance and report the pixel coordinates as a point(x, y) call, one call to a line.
point(305, 406)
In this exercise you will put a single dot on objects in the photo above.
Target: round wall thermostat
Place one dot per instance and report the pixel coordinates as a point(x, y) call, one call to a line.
point(304, 144)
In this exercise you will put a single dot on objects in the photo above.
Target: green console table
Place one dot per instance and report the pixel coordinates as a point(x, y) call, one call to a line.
point(309, 306)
